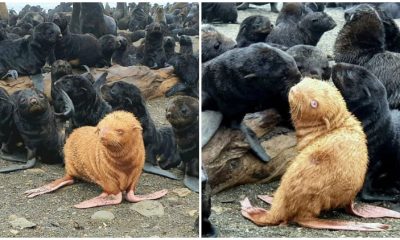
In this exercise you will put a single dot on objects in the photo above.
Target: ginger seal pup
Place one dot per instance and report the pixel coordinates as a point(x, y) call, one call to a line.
point(111, 155)
point(329, 170)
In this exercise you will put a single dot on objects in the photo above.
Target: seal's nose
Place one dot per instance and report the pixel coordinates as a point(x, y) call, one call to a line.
point(34, 101)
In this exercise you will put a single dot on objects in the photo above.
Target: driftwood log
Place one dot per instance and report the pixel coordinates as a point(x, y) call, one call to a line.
point(152, 83)
point(229, 162)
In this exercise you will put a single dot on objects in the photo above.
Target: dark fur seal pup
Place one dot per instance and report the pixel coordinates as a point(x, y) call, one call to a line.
point(140, 18)
point(125, 55)
point(329, 170)
point(90, 107)
point(307, 31)
point(158, 143)
point(110, 155)
point(361, 41)
point(154, 53)
point(392, 32)
point(183, 114)
point(311, 61)
point(109, 44)
point(365, 97)
point(169, 47)
point(92, 20)
point(292, 12)
point(35, 121)
point(226, 85)
point(59, 69)
point(224, 12)
point(28, 55)
point(77, 49)
point(214, 43)
point(253, 29)
point(186, 67)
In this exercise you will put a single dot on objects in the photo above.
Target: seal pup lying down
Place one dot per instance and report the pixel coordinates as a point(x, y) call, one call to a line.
point(330, 168)
point(111, 155)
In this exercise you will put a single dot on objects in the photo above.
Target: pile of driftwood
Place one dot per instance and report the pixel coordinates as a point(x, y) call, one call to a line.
point(229, 162)
point(152, 83)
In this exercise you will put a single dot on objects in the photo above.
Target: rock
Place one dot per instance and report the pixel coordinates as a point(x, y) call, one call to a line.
point(182, 192)
point(15, 232)
point(192, 213)
point(22, 223)
point(148, 208)
point(12, 217)
point(103, 215)
point(36, 171)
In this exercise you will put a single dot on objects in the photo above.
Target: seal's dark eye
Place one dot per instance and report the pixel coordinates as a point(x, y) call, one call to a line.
point(184, 110)
point(314, 103)
point(23, 100)
point(216, 45)
point(41, 96)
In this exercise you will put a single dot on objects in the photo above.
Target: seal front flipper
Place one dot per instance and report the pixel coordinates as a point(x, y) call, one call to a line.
point(148, 168)
point(370, 211)
point(11, 73)
point(29, 164)
point(191, 182)
point(342, 225)
point(211, 120)
point(131, 197)
point(255, 145)
point(56, 184)
point(38, 82)
point(266, 198)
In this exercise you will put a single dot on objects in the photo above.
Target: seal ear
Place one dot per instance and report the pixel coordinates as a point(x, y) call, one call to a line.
point(327, 123)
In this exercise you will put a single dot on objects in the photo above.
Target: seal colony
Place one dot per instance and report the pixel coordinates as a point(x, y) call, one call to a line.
point(346, 135)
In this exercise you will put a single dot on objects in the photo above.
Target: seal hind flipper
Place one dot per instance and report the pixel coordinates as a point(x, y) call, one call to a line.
point(29, 164)
point(342, 225)
point(370, 211)
point(38, 82)
point(191, 182)
point(266, 198)
point(211, 120)
point(11, 73)
point(254, 214)
point(148, 168)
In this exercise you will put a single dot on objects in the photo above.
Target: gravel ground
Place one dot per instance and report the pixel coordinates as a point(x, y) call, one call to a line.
point(55, 216)
point(225, 206)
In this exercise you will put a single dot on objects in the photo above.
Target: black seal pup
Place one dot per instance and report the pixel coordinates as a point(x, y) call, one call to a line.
point(361, 41)
point(27, 56)
point(311, 61)
point(183, 114)
point(253, 29)
point(154, 53)
point(365, 97)
point(159, 143)
point(226, 85)
point(214, 43)
point(224, 12)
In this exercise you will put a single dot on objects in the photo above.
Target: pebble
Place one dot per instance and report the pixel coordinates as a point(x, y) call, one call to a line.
point(182, 192)
point(103, 215)
point(148, 208)
point(35, 171)
point(22, 223)
point(192, 213)
point(15, 232)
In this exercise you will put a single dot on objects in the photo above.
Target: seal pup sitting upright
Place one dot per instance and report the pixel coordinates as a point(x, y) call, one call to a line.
point(330, 168)
point(110, 155)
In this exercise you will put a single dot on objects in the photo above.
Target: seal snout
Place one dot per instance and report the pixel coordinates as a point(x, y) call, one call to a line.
point(33, 101)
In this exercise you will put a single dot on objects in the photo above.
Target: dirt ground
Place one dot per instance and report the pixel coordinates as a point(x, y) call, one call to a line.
point(55, 216)
point(225, 205)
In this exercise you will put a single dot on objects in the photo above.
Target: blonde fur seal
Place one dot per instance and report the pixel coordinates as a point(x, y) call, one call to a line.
point(330, 168)
point(111, 155)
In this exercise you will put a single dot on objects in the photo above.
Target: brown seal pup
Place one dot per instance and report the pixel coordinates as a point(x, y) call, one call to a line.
point(330, 168)
point(110, 155)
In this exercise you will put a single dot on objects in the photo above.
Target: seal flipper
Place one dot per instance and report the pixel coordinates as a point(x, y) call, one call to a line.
point(254, 214)
point(131, 197)
point(56, 184)
point(38, 81)
point(370, 211)
point(191, 182)
point(30, 163)
point(103, 199)
point(266, 198)
point(148, 168)
point(255, 145)
point(11, 73)
point(342, 225)
point(211, 120)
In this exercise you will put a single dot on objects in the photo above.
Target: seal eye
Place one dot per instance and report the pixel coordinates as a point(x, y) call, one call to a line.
point(23, 100)
point(216, 45)
point(120, 132)
point(314, 104)
point(41, 96)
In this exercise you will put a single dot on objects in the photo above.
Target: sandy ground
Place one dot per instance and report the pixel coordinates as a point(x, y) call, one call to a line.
point(55, 216)
point(226, 207)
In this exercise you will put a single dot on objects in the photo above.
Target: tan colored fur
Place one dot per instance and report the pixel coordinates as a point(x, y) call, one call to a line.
point(332, 162)
point(103, 156)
